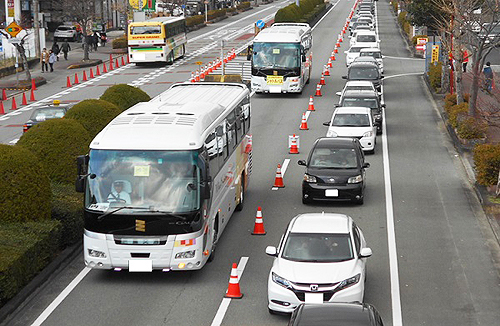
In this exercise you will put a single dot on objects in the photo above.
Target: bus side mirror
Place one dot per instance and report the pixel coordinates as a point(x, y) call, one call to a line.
point(82, 162)
point(304, 58)
point(249, 52)
point(206, 187)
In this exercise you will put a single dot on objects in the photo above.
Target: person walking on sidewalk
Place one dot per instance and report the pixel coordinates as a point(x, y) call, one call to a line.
point(52, 59)
point(488, 77)
point(44, 60)
point(465, 57)
point(65, 48)
point(56, 49)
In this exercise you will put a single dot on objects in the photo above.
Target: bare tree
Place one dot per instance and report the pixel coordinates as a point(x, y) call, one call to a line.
point(22, 53)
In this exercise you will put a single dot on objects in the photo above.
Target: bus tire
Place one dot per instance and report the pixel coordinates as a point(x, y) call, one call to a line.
point(214, 240)
point(239, 207)
point(170, 58)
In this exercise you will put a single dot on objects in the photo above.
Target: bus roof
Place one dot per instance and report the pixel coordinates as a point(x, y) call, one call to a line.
point(157, 21)
point(283, 32)
point(177, 119)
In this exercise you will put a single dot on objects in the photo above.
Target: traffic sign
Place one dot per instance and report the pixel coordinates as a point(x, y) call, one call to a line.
point(435, 53)
point(13, 29)
point(199, 63)
point(260, 23)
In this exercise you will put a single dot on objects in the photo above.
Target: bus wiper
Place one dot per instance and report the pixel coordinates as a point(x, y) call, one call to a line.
point(119, 209)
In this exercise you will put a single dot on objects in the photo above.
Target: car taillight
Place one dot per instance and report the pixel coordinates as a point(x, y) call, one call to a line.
point(25, 128)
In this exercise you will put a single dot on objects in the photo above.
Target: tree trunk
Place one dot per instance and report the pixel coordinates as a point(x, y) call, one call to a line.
point(445, 77)
point(474, 88)
point(24, 60)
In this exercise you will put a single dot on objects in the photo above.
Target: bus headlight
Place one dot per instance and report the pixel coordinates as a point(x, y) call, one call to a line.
point(185, 254)
point(96, 253)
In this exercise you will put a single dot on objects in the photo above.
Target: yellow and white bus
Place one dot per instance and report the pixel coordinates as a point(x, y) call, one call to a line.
point(163, 178)
point(161, 39)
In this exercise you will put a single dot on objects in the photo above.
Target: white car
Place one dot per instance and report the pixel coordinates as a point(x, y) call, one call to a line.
point(354, 122)
point(375, 53)
point(368, 39)
point(320, 258)
point(357, 85)
point(65, 32)
point(353, 53)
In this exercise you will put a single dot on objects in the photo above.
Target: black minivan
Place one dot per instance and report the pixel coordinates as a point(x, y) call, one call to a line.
point(365, 71)
point(335, 170)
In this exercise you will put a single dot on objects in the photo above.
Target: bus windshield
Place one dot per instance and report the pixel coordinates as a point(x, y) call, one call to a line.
point(164, 181)
point(140, 30)
point(276, 55)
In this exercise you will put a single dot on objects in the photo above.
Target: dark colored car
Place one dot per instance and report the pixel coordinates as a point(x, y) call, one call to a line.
point(55, 111)
point(365, 71)
point(365, 98)
point(330, 313)
point(335, 170)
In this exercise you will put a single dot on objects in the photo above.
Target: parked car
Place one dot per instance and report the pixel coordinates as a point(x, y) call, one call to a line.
point(352, 53)
point(358, 85)
point(357, 24)
point(365, 71)
point(354, 122)
point(374, 53)
point(320, 258)
point(367, 59)
point(369, 99)
point(66, 32)
point(54, 111)
point(368, 39)
point(332, 313)
point(335, 170)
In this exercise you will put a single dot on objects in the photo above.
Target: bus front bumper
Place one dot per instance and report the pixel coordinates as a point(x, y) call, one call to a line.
point(290, 85)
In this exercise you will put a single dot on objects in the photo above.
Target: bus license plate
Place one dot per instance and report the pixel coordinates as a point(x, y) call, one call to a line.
point(331, 192)
point(142, 265)
point(275, 80)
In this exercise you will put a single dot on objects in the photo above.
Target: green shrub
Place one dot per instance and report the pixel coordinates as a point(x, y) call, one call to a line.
point(57, 143)
point(93, 115)
point(124, 96)
point(230, 9)
point(120, 42)
point(471, 128)
point(395, 6)
point(487, 162)
point(243, 5)
point(434, 74)
point(195, 20)
point(449, 101)
point(67, 208)
point(24, 186)
point(25, 249)
point(456, 113)
point(212, 14)
point(402, 18)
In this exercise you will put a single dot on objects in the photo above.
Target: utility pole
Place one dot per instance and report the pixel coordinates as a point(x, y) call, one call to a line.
point(36, 27)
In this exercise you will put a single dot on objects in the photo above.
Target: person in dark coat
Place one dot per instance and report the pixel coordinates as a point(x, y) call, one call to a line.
point(65, 48)
point(95, 40)
point(55, 49)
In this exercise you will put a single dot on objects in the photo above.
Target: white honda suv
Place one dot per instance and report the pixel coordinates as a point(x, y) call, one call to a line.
point(320, 258)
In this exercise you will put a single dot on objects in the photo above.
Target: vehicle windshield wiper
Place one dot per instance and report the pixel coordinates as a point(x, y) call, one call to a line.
point(119, 209)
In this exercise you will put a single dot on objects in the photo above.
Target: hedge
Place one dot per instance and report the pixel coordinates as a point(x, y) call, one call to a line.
point(487, 162)
point(243, 5)
point(25, 249)
point(434, 73)
point(93, 115)
point(67, 208)
point(24, 186)
point(457, 112)
point(471, 128)
point(125, 96)
point(56, 143)
point(120, 42)
point(195, 20)
point(307, 11)
point(212, 14)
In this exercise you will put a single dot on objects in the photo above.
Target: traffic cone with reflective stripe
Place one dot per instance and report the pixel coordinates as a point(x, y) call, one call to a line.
point(91, 73)
point(329, 65)
point(294, 149)
point(202, 75)
point(2, 110)
point(4, 95)
point(311, 104)
point(76, 79)
point(123, 61)
point(303, 124)
point(25, 101)
point(233, 290)
point(68, 82)
point(340, 38)
point(278, 181)
point(111, 65)
point(335, 50)
point(14, 105)
point(332, 57)
point(193, 79)
point(104, 69)
point(32, 95)
point(33, 84)
point(327, 71)
point(322, 80)
point(248, 148)
point(337, 45)
point(84, 78)
point(258, 228)
point(197, 76)
point(116, 63)
point(318, 90)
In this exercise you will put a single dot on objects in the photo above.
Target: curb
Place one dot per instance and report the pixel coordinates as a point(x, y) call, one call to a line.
point(91, 63)
point(33, 287)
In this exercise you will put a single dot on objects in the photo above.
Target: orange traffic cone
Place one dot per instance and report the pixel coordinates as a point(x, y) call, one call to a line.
point(329, 65)
point(33, 84)
point(202, 75)
point(294, 149)
point(225, 59)
point(97, 71)
point(311, 104)
point(233, 290)
point(332, 57)
point(110, 57)
point(111, 65)
point(84, 78)
point(197, 76)
point(318, 90)
point(322, 80)
point(104, 69)
point(123, 61)
point(91, 73)
point(193, 79)
point(128, 61)
point(258, 229)
point(76, 79)
point(278, 181)
point(335, 50)
point(116, 63)
point(303, 124)
point(337, 45)
point(14, 105)
point(327, 71)
point(68, 82)
point(248, 148)
point(4, 95)
point(32, 95)
point(2, 110)
point(340, 38)
point(25, 101)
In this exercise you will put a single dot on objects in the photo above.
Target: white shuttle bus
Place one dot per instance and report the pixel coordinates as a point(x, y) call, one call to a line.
point(162, 179)
point(281, 57)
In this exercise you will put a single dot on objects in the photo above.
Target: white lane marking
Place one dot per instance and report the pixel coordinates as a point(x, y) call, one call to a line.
point(14, 141)
point(402, 75)
point(284, 166)
point(71, 286)
point(319, 21)
point(221, 312)
point(399, 58)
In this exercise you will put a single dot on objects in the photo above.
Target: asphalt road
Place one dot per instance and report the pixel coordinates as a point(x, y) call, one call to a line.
point(434, 261)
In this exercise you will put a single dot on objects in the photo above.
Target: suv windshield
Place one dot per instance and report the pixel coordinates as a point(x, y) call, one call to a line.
point(351, 120)
point(167, 181)
point(360, 101)
point(318, 247)
point(337, 158)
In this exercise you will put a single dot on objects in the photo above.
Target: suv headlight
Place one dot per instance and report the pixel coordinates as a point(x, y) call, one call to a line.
point(356, 179)
point(331, 133)
point(96, 253)
point(185, 254)
point(368, 134)
point(348, 282)
point(281, 281)
point(309, 178)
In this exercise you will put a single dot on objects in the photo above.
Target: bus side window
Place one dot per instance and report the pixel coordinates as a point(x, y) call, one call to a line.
point(246, 114)
point(240, 123)
point(221, 136)
point(212, 150)
point(231, 132)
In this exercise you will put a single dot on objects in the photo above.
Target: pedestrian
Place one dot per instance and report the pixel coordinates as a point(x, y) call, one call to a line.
point(52, 59)
point(465, 60)
point(44, 60)
point(95, 40)
point(55, 49)
point(103, 39)
point(488, 77)
point(90, 44)
point(65, 48)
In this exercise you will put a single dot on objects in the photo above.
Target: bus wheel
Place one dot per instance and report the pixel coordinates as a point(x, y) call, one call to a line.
point(214, 240)
point(170, 59)
point(239, 207)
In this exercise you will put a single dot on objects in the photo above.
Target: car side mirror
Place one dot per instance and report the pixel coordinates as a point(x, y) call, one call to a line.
point(338, 93)
point(366, 165)
point(344, 77)
point(346, 51)
point(271, 251)
point(365, 252)
point(383, 105)
point(381, 76)
point(326, 123)
point(301, 162)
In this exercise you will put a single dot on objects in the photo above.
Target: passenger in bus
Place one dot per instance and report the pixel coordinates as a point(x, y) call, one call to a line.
point(120, 192)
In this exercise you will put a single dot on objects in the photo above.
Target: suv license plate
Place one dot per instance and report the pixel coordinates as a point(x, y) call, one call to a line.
point(331, 192)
